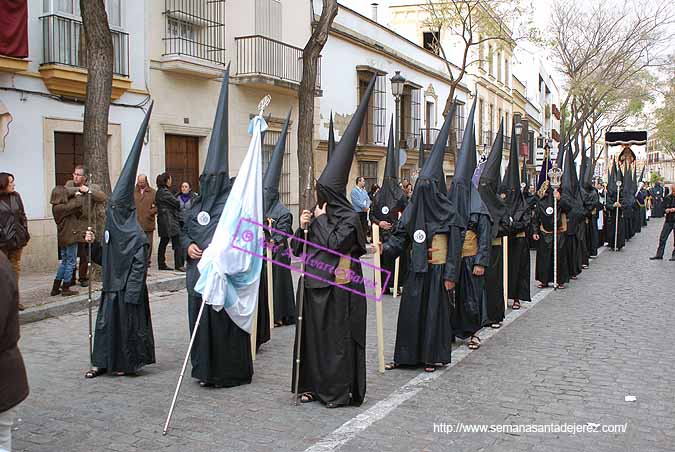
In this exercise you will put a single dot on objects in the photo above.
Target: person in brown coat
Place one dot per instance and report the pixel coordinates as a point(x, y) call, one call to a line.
point(146, 210)
point(66, 210)
point(13, 380)
point(80, 186)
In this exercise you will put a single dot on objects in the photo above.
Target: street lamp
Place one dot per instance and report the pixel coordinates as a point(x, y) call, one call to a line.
point(519, 129)
point(397, 82)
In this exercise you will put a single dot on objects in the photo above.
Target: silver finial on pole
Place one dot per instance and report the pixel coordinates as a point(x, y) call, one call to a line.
point(555, 178)
point(263, 104)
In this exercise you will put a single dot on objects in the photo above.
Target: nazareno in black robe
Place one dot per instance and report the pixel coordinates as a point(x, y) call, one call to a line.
point(332, 357)
point(423, 331)
point(519, 255)
point(611, 222)
point(494, 274)
point(545, 255)
point(221, 354)
point(123, 339)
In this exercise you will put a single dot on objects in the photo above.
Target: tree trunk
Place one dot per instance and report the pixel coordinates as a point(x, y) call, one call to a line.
point(99, 53)
point(310, 56)
point(452, 143)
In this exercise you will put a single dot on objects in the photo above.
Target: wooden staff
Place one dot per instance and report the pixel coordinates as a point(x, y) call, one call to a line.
point(270, 283)
point(396, 270)
point(378, 301)
point(505, 264)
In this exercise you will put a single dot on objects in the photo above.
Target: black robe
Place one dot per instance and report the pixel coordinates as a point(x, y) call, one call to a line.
point(470, 313)
point(545, 255)
point(519, 256)
point(611, 218)
point(657, 201)
point(388, 263)
point(282, 283)
point(221, 354)
point(423, 331)
point(494, 274)
point(332, 357)
point(123, 338)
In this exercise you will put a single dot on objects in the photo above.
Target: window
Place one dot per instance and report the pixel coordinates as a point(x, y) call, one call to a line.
point(507, 73)
point(195, 28)
point(368, 170)
point(410, 116)
point(491, 66)
point(490, 121)
point(72, 7)
point(481, 113)
point(481, 56)
point(268, 18)
point(269, 142)
point(499, 66)
point(459, 122)
point(374, 128)
point(431, 41)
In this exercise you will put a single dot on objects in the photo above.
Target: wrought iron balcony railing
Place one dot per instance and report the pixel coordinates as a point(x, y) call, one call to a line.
point(63, 43)
point(260, 55)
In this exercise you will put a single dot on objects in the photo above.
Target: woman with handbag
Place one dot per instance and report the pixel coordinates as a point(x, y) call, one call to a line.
point(14, 234)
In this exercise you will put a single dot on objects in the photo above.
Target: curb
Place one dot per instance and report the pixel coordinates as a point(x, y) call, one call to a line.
point(79, 302)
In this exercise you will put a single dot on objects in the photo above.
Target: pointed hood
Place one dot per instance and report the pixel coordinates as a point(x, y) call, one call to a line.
point(332, 184)
point(611, 179)
point(336, 173)
point(392, 163)
point(642, 173)
point(273, 172)
point(123, 235)
point(515, 198)
point(331, 137)
point(488, 185)
point(390, 198)
point(570, 187)
point(123, 194)
point(433, 167)
point(524, 177)
point(546, 166)
point(214, 182)
point(465, 164)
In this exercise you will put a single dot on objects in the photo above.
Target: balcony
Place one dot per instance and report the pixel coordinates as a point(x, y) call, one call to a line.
point(264, 62)
point(194, 33)
point(65, 58)
point(10, 64)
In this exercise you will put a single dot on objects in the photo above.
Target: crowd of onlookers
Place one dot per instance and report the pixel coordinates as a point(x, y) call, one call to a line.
point(79, 205)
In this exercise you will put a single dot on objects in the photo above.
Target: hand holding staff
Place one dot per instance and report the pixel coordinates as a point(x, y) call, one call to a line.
point(270, 280)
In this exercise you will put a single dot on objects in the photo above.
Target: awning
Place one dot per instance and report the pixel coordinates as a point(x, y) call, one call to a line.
point(628, 137)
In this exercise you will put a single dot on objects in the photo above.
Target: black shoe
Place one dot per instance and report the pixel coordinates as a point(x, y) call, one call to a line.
point(164, 267)
point(181, 269)
point(84, 283)
point(56, 288)
point(672, 258)
point(656, 258)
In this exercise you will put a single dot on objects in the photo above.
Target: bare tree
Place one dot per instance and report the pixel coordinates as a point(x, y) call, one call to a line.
point(99, 51)
point(601, 48)
point(310, 57)
point(471, 24)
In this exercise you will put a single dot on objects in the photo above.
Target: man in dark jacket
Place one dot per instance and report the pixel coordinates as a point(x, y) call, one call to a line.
point(668, 226)
point(13, 380)
point(94, 217)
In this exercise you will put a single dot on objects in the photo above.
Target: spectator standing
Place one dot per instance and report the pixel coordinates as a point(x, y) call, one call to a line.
point(168, 228)
point(185, 198)
point(14, 234)
point(13, 380)
point(361, 202)
point(146, 210)
point(668, 225)
point(94, 216)
point(66, 211)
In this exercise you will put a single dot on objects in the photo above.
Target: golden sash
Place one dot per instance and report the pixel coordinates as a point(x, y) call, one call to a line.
point(341, 272)
point(521, 234)
point(470, 246)
point(439, 249)
point(497, 242)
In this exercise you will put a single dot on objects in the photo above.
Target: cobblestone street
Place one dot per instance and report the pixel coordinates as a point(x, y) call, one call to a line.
point(570, 356)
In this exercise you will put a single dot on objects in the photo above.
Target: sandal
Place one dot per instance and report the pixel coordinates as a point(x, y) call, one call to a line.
point(278, 324)
point(561, 286)
point(496, 326)
point(430, 369)
point(474, 343)
point(390, 366)
point(542, 285)
point(95, 372)
point(516, 305)
point(205, 384)
point(307, 397)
